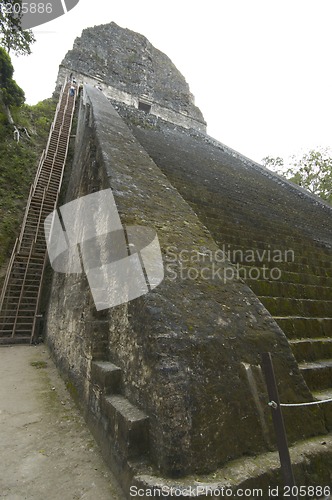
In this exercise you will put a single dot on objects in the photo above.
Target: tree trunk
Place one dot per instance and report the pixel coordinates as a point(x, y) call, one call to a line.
point(9, 115)
point(10, 119)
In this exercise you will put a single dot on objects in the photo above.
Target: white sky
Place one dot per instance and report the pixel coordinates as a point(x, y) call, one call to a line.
point(260, 70)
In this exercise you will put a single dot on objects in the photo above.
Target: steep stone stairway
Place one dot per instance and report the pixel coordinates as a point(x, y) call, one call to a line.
point(279, 238)
point(22, 286)
point(297, 293)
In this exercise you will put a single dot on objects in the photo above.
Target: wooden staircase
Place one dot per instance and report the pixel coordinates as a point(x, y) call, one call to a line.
point(21, 291)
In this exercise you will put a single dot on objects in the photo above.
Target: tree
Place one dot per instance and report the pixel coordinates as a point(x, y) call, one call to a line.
point(10, 93)
point(275, 164)
point(12, 35)
point(313, 171)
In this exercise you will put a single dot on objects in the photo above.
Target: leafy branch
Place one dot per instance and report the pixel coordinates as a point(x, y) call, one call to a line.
point(312, 171)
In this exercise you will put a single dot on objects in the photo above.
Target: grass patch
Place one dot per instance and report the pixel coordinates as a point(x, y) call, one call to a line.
point(72, 390)
point(39, 364)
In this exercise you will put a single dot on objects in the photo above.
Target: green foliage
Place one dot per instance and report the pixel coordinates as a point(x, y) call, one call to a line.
point(12, 36)
point(37, 119)
point(275, 164)
point(13, 95)
point(313, 171)
point(10, 93)
point(18, 164)
point(4, 128)
point(6, 67)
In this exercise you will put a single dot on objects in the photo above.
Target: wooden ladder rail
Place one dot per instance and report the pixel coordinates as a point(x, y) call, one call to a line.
point(8, 273)
point(22, 290)
point(40, 166)
point(52, 129)
point(40, 215)
point(67, 146)
point(26, 213)
point(39, 169)
point(63, 135)
point(35, 316)
point(57, 109)
point(33, 332)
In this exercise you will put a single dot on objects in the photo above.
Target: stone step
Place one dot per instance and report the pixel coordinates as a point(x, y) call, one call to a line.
point(107, 376)
point(300, 327)
point(301, 278)
point(311, 349)
point(323, 395)
point(300, 247)
point(285, 276)
point(265, 288)
point(128, 426)
point(271, 234)
point(245, 210)
point(282, 306)
point(255, 476)
point(288, 266)
point(302, 256)
point(326, 407)
point(318, 374)
point(238, 226)
point(252, 274)
point(252, 240)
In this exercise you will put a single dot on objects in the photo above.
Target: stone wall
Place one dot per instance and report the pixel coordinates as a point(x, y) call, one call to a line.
point(189, 350)
point(176, 117)
point(129, 69)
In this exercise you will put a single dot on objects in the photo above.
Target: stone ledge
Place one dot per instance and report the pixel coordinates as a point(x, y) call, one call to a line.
point(128, 425)
point(262, 471)
point(107, 376)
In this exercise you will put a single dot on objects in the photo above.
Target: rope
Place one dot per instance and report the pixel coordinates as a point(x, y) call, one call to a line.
point(274, 405)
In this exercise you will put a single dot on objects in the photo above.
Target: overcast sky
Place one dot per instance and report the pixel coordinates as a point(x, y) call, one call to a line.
point(260, 70)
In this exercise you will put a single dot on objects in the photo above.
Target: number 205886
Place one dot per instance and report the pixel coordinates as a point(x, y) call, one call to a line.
point(307, 491)
point(26, 8)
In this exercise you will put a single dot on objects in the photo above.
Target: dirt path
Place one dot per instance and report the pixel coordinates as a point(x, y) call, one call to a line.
point(46, 450)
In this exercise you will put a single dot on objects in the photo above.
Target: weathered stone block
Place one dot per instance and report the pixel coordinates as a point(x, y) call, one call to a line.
point(107, 376)
point(128, 426)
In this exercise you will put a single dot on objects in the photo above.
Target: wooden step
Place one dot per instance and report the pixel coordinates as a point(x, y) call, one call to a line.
point(21, 317)
point(7, 340)
point(24, 281)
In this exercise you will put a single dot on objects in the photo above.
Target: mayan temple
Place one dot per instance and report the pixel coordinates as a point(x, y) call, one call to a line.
point(171, 382)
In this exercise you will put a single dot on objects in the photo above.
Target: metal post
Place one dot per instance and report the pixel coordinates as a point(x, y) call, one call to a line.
point(278, 422)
